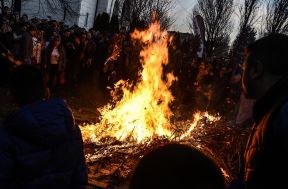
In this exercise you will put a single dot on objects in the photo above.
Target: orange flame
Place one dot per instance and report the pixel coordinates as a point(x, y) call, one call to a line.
point(143, 112)
point(197, 117)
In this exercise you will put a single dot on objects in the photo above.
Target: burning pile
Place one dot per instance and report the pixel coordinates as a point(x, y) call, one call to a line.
point(141, 118)
point(143, 113)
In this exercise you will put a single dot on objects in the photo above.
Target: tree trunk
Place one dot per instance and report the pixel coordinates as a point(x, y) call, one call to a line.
point(17, 6)
point(2, 5)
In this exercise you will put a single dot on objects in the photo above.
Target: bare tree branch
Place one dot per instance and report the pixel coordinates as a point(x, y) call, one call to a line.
point(277, 16)
point(247, 34)
point(248, 13)
point(217, 20)
point(139, 10)
point(2, 5)
point(62, 6)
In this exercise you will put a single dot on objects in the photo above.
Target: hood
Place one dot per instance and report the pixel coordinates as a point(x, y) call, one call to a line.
point(45, 122)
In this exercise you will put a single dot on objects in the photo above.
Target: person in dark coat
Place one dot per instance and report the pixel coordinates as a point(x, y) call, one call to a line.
point(265, 78)
point(40, 145)
point(26, 44)
point(75, 54)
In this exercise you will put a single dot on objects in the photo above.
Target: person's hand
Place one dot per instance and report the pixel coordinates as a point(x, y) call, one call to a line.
point(45, 66)
point(9, 56)
point(18, 63)
point(236, 79)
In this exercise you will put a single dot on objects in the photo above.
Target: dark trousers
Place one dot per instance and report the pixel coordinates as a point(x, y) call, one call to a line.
point(236, 184)
point(54, 78)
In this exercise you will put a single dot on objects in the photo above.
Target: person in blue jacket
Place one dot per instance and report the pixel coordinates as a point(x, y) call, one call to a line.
point(40, 145)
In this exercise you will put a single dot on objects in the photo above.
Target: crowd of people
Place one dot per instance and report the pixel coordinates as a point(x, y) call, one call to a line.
point(42, 147)
point(67, 55)
point(71, 55)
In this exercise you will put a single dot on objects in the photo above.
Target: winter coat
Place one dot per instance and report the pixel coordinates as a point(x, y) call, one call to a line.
point(26, 46)
point(41, 147)
point(266, 156)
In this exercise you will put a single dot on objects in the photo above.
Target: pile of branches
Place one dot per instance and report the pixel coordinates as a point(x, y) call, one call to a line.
point(111, 164)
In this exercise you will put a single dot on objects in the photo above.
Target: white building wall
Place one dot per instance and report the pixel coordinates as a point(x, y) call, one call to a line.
point(110, 7)
point(39, 9)
point(106, 6)
point(87, 13)
point(102, 6)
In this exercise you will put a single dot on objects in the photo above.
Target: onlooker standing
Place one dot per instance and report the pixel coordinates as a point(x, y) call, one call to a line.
point(265, 78)
point(26, 43)
point(37, 47)
point(89, 58)
point(54, 62)
point(77, 55)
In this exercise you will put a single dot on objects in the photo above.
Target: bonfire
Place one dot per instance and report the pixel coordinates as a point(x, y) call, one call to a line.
point(143, 112)
point(142, 115)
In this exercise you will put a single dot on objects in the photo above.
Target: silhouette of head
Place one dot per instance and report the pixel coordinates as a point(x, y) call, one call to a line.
point(176, 166)
point(266, 61)
point(27, 84)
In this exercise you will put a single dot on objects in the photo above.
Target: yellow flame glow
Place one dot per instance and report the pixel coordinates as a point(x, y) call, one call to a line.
point(143, 112)
point(197, 117)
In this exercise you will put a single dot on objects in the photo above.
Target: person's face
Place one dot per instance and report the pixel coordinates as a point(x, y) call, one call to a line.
point(89, 36)
point(57, 42)
point(8, 12)
point(55, 25)
point(33, 33)
point(83, 37)
point(17, 17)
point(41, 34)
point(77, 40)
point(25, 18)
point(67, 34)
point(252, 72)
point(24, 28)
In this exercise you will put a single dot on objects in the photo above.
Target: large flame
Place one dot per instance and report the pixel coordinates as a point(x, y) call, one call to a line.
point(143, 112)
